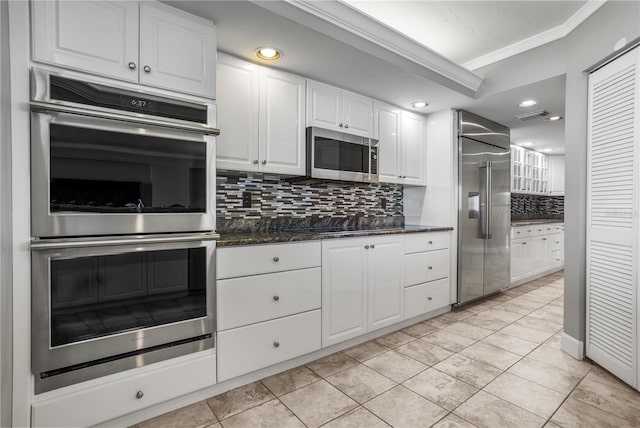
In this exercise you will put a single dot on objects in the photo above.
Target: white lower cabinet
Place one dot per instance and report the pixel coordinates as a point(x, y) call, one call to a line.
point(536, 249)
point(245, 349)
point(423, 298)
point(142, 388)
point(384, 275)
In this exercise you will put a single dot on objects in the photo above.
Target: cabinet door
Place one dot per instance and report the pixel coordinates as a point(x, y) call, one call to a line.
point(357, 114)
point(413, 150)
point(324, 106)
point(386, 283)
point(387, 131)
point(281, 128)
point(517, 259)
point(344, 289)
point(177, 50)
point(237, 144)
point(99, 37)
point(541, 254)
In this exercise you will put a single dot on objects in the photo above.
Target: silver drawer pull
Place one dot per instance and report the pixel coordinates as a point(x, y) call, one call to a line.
point(430, 242)
point(276, 298)
point(132, 65)
point(276, 259)
point(373, 246)
point(366, 247)
point(276, 344)
point(544, 239)
point(146, 69)
point(139, 394)
point(429, 298)
point(430, 267)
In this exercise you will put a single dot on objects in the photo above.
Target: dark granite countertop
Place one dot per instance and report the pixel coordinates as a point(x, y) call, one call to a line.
point(516, 223)
point(266, 237)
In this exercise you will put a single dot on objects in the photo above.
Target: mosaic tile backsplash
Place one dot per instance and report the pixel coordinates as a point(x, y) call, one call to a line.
point(274, 197)
point(531, 207)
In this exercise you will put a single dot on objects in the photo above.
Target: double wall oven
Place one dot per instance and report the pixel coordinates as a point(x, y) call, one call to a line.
point(123, 213)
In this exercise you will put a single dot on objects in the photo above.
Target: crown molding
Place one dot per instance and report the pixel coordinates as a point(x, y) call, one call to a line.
point(539, 39)
point(348, 25)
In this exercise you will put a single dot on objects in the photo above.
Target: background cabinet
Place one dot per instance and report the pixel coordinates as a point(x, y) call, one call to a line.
point(261, 112)
point(402, 146)
point(149, 42)
point(529, 171)
point(536, 250)
point(339, 110)
point(556, 175)
point(361, 286)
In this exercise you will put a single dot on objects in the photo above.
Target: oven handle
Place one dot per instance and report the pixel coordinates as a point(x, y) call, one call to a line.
point(38, 106)
point(62, 243)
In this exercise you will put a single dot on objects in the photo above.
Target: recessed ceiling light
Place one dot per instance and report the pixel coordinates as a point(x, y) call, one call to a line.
point(419, 104)
point(268, 53)
point(554, 118)
point(547, 150)
point(526, 143)
point(528, 103)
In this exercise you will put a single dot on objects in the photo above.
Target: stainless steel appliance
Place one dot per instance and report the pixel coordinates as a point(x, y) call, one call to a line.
point(108, 160)
point(337, 156)
point(484, 216)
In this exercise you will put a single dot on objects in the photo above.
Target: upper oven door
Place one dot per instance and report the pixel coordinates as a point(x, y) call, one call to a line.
point(338, 156)
point(94, 176)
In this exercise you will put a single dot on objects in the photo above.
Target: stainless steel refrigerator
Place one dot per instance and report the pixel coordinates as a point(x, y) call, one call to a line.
point(484, 217)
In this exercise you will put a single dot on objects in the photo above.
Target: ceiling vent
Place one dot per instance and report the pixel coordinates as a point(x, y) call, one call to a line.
point(532, 115)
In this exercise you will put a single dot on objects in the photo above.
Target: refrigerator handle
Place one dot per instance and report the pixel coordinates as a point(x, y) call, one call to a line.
point(485, 200)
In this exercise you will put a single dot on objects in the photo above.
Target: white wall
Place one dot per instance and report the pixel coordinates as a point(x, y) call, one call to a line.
point(5, 224)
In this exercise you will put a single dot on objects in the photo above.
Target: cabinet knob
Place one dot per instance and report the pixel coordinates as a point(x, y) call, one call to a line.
point(524, 243)
point(146, 69)
point(255, 162)
point(132, 65)
point(276, 298)
point(557, 242)
point(373, 246)
point(340, 124)
point(430, 242)
point(544, 239)
point(139, 394)
point(276, 344)
point(346, 125)
point(366, 247)
point(430, 267)
point(264, 162)
point(276, 259)
point(429, 298)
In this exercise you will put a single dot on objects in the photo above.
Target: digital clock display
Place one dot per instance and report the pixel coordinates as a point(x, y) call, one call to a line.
point(138, 103)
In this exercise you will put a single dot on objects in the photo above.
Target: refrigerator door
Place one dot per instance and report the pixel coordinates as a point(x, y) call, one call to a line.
point(496, 246)
point(471, 253)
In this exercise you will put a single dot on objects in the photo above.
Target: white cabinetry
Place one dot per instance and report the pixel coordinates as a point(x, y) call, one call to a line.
point(613, 189)
point(536, 250)
point(339, 110)
point(402, 145)
point(556, 175)
point(529, 171)
point(146, 42)
point(268, 311)
point(361, 286)
point(261, 112)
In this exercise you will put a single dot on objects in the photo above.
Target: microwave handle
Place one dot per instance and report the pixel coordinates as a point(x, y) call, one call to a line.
point(37, 106)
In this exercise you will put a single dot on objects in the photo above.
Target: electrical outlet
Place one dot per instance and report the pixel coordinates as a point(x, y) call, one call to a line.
point(383, 203)
point(246, 199)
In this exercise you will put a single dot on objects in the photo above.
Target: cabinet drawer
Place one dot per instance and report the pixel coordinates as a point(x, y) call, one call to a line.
point(425, 267)
point(537, 230)
point(555, 241)
point(557, 256)
point(520, 232)
point(258, 298)
point(428, 297)
point(87, 407)
point(245, 349)
point(257, 259)
point(418, 242)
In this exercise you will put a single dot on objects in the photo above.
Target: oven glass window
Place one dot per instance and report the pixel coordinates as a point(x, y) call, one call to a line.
point(340, 155)
point(111, 172)
point(103, 295)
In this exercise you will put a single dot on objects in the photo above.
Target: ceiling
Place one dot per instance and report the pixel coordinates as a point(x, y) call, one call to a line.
point(460, 30)
point(465, 30)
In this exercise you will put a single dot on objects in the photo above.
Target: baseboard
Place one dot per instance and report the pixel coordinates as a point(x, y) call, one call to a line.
point(535, 276)
point(572, 346)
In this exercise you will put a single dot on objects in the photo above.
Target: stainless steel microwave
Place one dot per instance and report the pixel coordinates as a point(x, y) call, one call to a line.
point(338, 156)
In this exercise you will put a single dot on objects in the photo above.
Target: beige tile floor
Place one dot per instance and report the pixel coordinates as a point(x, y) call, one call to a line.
point(494, 364)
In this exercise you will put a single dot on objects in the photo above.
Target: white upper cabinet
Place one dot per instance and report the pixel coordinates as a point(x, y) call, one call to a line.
point(529, 171)
point(64, 34)
point(237, 114)
point(413, 147)
point(401, 145)
point(333, 108)
point(556, 175)
point(148, 43)
point(281, 125)
point(177, 50)
point(261, 115)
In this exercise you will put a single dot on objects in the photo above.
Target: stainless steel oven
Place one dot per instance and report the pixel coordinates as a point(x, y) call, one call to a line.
point(338, 156)
point(108, 160)
point(104, 305)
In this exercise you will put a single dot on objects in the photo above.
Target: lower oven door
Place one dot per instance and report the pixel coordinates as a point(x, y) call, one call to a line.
point(110, 305)
point(94, 176)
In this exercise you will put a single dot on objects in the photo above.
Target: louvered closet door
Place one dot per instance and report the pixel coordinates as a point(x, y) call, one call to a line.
point(612, 217)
